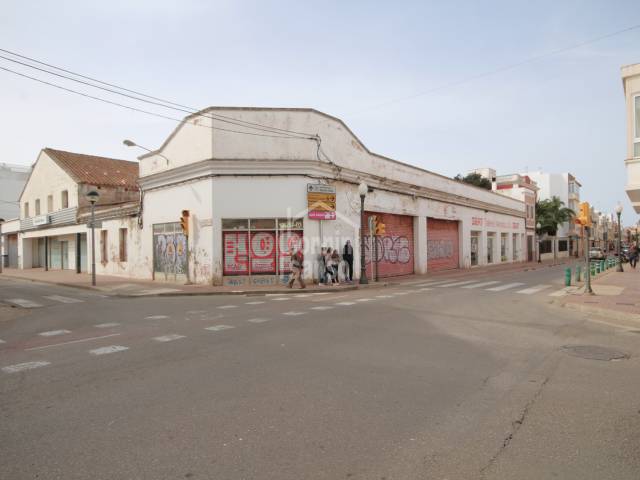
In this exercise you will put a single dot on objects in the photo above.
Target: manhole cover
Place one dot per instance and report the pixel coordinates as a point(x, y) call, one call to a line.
point(594, 352)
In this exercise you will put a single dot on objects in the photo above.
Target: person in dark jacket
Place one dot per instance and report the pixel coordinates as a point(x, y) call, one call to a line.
point(347, 256)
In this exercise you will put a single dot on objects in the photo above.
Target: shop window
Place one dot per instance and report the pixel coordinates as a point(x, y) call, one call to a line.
point(263, 248)
point(37, 206)
point(49, 203)
point(490, 247)
point(26, 209)
point(123, 244)
point(546, 246)
point(475, 237)
point(64, 199)
point(503, 247)
point(563, 246)
point(104, 251)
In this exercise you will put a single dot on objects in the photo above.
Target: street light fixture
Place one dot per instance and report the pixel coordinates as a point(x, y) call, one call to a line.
point(93, 196)
point(538, 227)
point(363, 189)
point(619, 213)
point(131, 143)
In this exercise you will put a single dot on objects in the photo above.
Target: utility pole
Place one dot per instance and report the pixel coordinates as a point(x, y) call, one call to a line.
point(587, 277)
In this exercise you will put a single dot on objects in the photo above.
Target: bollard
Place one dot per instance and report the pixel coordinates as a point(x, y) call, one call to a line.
point(602, 269)
point(578, 273)
point(567, 277)
point(592, 267)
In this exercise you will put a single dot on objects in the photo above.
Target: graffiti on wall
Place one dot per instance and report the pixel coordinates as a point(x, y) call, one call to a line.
point(170, 253)
point(437, 249)
point(389, 248)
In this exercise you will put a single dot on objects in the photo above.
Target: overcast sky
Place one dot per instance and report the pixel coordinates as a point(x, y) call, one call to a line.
point(358, 61)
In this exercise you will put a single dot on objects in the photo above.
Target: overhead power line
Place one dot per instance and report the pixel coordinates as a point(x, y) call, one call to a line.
point(504, 68)
point(149, 98)
point(135, 109)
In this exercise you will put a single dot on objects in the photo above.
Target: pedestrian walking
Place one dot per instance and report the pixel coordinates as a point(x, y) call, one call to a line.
point(347, 256)
point(328, 272)
point(633, 256)
point(322, 266)
point(297, 261)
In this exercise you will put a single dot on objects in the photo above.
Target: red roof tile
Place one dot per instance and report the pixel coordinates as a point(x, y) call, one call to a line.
point(98, 171)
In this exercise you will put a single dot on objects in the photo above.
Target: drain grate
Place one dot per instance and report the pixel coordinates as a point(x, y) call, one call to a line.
point(595, 352)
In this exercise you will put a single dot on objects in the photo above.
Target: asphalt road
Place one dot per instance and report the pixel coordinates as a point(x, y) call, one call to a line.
point(436, 379)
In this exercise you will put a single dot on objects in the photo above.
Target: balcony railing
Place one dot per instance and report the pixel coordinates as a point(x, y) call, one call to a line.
point(66, 216)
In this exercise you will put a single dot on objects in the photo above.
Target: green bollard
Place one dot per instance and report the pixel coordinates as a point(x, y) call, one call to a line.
point(578, 273)
point(593, 270)
point(567, 277)
point(602, 269)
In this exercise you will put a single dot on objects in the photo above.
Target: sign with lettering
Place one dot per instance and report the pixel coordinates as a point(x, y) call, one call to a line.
point(41, 220)
point(321, 201)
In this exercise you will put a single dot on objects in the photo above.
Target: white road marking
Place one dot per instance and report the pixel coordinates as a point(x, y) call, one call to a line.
point(293, 313)
point(156, 317)
point(483, 284)
point(303, 295)
point(400, 293)
point(53, 333)
point(61, 299)
point(108, 350)
point(168, 338)
point(226, 307)
point(425, 289)
point(457, 284)
point(258, 302)
point(346, 303)
point(71, 341)
point(24, 303)
point(504, 287)
point(535, 289)
point(19, 367)
point(559, 293)
point(279, 299)
point(107, 325)
point(195, 312)
point(364, 299)
point(275, 294)
point(218, 328)
point(384, 296)
point(258, 320)
point(2, 341)
point(431, 284)
point(322, 307)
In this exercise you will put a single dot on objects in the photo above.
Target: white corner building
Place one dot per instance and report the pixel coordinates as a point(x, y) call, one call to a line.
point(631, 87)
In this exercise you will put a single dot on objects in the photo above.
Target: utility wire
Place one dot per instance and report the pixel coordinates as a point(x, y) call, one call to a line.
point(169, 104)
point(128, 107)
point(504, 68)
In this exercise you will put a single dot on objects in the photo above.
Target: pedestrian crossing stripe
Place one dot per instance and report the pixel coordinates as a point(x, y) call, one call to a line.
point(24, 303)
point(456, 284)
point(481, 284)
point(504, 287)
point(535, 289)
point(61, 299)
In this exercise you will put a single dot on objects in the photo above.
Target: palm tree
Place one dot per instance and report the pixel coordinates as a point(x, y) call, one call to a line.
point(551, 213)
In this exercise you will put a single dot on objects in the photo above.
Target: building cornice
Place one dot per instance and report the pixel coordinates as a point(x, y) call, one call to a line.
point(314, 169)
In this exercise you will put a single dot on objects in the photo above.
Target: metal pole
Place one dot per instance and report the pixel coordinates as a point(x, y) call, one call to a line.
point(363, 267)
point(93, 246)
point(539, 260)
point(1, 249)
point(619, 269)
point(587, 277)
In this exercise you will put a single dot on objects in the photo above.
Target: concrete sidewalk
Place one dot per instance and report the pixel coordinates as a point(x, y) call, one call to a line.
point(129, 287)
point(616, 296)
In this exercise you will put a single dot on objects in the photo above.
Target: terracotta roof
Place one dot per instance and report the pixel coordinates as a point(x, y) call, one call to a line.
point(98, 171)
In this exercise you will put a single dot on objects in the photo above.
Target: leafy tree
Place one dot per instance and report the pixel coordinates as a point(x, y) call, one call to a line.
point(550, 214)
point(474, 179)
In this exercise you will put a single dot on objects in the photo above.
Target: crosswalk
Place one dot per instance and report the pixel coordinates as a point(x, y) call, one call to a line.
point(39, 302)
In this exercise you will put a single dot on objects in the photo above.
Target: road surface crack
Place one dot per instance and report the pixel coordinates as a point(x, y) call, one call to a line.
point(515, 426)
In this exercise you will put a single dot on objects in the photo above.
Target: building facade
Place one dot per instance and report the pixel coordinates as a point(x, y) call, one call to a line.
point(631, 87)
point(52, 233)
point(569, 240)
point(247, 200)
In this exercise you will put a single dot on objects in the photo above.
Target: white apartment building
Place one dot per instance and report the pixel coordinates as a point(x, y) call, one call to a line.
point(12, 180)
point(568, 241)
point(631, 87)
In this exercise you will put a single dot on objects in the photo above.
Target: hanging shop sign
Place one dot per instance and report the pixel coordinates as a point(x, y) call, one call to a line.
point(321, 201)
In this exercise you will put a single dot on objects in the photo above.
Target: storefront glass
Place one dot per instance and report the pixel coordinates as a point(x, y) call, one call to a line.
point(475, 237)
point(490, 247)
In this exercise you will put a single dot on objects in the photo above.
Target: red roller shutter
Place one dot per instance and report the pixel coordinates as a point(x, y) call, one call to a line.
point(394, 249)
point(443, 245)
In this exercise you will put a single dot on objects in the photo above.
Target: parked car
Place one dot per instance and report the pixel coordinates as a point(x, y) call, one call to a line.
point(596, 253)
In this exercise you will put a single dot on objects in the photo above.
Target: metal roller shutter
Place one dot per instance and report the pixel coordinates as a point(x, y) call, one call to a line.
point(443, 245)
point(394, 250)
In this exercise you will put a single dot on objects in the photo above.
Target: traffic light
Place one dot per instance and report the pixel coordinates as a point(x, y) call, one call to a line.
point(184, 222)
point(381, 228)
point(584, 217)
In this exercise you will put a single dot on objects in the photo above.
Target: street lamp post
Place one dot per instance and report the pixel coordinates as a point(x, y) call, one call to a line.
point(538, 227)
point(1, 246)
point(619, 213)
point(362, 191)
point(131, 143)
point(92, 197)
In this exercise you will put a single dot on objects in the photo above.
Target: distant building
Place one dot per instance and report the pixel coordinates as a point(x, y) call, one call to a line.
point(566, 187)
point(631, 86)
point(12, 180)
